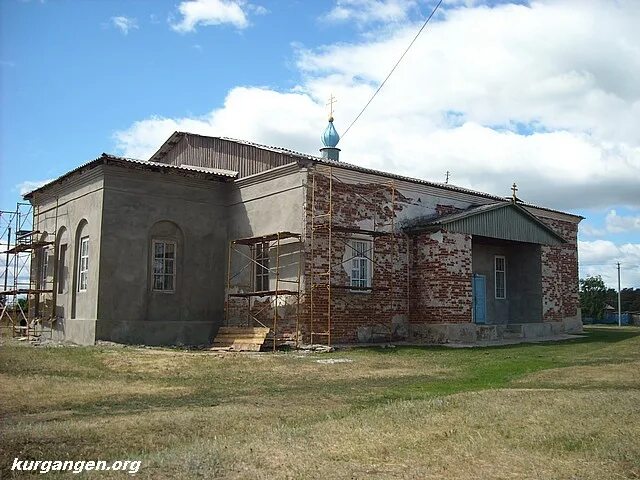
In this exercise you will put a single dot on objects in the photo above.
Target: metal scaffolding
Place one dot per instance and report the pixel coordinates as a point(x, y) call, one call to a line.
point(26, 307)
point(271, 247)
point(325, 225)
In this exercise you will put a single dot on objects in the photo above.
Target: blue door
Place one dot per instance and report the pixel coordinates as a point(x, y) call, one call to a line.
point(479, 298)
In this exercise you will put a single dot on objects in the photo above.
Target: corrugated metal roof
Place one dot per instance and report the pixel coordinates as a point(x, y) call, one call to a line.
point(108, 159)
point(505, 220)
point(217, 171)
point(176, 136)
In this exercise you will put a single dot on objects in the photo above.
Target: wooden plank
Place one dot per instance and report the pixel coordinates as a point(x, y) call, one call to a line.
point(233, 330)
point(240, 338)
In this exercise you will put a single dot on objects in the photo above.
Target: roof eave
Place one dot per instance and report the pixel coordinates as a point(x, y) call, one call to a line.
point(442, 222)
point(169, 143)
point(106, 158)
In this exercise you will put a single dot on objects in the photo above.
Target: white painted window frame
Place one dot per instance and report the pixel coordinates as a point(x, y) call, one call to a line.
point(503, 272)
point(44, 267)
point(261, 266)
point(83, 264)
point(62, 259)
point(164, 261)
point(358, 256)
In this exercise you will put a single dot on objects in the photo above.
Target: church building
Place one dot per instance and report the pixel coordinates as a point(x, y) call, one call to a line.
point(214, 235)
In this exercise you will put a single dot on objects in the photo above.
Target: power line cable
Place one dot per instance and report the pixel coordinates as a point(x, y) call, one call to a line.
point(433, 12)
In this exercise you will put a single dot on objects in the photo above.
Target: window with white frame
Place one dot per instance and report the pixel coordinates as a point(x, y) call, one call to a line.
point(262, 267)
point(164, 266)
point(360, 263)
point(62, 259)
point(83, 264)
point(501, 277)
point(45, 267)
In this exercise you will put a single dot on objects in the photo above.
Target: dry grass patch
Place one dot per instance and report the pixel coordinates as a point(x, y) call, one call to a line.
point(23, 393)
point(618, 375)
point(492, 434)
point(351, 367)
point(430, 413)
point(147, 361)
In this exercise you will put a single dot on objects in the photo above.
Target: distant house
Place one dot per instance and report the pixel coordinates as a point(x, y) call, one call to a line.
point(214, 231)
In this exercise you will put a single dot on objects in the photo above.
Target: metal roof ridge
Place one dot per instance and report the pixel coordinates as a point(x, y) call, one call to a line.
point(351, 166)
point(481, 209)
point(469, 212)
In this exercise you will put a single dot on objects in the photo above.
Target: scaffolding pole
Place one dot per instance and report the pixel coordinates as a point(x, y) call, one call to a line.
point(25, 247)
point(271, 242)
point(324, 221)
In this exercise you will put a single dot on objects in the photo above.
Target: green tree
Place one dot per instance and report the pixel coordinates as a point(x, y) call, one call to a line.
point(630, 299)
point(593, 296)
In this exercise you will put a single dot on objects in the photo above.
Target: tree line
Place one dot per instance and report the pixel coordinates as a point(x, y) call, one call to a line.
point(595, 296)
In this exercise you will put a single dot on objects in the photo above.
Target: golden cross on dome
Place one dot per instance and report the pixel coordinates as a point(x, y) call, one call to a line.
point(332, 100)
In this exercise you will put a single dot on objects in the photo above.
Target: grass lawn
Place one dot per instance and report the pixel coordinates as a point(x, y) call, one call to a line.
point(559, 410)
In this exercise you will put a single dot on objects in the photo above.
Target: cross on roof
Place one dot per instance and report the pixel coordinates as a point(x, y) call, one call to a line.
point(332, 100)
point(514, 189)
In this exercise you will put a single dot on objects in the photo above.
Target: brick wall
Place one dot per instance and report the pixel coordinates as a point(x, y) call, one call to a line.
point(423, 278)
point(560, 297)
point(365, 206)
point(441, 278)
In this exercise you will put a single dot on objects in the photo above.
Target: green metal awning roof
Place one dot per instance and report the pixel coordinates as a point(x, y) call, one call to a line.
point(504, 220)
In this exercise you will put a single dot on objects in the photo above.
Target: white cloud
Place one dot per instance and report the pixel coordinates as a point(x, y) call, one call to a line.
point(30, 185)
point(283, 119)
point(532, 94)
point(620, 223)
point(369, 11)
point(213, 12)
point(591, 231)
point(600, 257)
point(257, 9)
point(124, 24)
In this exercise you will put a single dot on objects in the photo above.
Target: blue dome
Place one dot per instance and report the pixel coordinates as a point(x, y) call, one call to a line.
point(330, 137)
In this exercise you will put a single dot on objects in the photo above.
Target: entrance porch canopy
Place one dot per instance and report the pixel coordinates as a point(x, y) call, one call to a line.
point(504, 220)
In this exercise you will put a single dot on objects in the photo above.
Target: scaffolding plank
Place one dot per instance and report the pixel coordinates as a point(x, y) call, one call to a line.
point(373, 233)
point(264, 293)
point(364, 289)
point(21, 291)
point(266, 238)
point(356, 230)
point(25, 247)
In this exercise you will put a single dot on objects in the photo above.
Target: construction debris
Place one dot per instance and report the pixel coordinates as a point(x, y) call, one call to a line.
point(332, 361)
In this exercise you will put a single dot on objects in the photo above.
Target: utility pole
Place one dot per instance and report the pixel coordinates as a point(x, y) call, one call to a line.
point(446, 180)
point(619, 309)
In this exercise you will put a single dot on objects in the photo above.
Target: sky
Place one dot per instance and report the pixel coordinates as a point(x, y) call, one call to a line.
point(542, 93)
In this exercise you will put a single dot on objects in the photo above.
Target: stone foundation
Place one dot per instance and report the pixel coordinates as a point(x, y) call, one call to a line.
point(471, 333)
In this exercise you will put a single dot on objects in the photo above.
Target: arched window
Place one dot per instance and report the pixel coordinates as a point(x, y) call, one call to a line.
point(82, 257)
point(62, 242)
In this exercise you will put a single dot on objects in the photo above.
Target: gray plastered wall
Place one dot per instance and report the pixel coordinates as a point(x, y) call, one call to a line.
point(264, 204)
point(523, 302)
point(139, 207)
point(60, 212)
